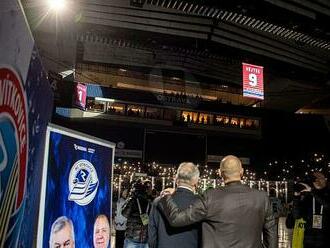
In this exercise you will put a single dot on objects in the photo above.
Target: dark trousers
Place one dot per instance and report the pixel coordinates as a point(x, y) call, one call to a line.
point(120, 237)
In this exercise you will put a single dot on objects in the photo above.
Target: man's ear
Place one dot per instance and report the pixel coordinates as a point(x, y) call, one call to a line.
point(195, 182)
point(220, 174)
point(242, 172)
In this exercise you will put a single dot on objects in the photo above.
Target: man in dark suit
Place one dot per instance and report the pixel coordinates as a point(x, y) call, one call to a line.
point(160, 233)
point(234, 216)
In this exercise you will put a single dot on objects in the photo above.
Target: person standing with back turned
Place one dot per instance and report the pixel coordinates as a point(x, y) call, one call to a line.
point(235, 216)
point(160, 233)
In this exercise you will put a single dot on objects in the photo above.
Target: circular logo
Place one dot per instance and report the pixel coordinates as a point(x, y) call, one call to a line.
point(83, 182)
point(13, 153)
point(13, 139)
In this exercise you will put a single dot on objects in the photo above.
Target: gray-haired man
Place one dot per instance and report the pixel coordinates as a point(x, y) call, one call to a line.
point(62, 233)
point(235, 216)
point(160, 233)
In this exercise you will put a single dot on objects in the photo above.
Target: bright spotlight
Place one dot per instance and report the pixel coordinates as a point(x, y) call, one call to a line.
point(56, 4)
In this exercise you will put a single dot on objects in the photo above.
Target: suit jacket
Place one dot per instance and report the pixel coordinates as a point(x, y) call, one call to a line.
point(233, 216)
point(162, 235)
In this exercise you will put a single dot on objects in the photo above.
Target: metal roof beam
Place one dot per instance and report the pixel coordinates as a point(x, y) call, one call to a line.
point(313, 6)
point(293, 8)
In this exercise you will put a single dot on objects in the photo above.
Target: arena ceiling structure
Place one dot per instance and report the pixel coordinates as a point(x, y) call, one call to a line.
point(206, 40)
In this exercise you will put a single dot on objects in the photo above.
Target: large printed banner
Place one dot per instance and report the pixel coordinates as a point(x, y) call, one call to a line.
point(25, 110)
point(76, 192)
point(253, 81)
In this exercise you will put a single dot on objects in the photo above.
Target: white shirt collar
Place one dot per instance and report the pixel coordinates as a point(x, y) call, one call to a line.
point(185, 187)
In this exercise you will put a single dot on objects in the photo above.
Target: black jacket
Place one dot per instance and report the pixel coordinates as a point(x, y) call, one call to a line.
point(135, 230)
point(303, 208)
point(234, 216)
point(162, 235)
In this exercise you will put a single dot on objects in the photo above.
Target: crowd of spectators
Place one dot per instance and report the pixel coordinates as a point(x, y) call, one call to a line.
point(179, 116)
point(145, 225)
point(222, 121)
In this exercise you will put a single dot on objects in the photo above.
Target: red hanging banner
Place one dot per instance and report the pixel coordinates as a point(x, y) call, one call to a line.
point(80, 95)
point(253, 81)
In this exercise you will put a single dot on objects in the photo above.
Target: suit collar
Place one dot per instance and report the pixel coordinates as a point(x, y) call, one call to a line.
point(183, 188)
point(234, 183)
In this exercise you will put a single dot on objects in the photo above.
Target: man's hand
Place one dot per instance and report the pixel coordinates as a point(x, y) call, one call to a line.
point(167, 191)
point(307, 188)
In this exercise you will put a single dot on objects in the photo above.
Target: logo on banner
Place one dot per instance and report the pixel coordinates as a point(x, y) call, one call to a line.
point(253, 82)
point(83, 182)
point(13, 154)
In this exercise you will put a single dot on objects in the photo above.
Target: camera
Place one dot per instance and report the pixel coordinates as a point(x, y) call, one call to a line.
point(309, 179)
point(298, 187)
point(137, 188)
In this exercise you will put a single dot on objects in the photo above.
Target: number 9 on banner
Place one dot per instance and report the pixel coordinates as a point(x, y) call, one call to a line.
point(253, 82)
point(253, 79)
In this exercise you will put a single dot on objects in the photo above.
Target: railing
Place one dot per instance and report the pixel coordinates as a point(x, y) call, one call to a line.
point(278, 189)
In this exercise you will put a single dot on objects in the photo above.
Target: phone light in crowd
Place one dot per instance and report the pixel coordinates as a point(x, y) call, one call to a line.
point(56, 5)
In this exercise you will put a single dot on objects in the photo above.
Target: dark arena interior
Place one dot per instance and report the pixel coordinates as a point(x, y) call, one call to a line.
point(166, 82)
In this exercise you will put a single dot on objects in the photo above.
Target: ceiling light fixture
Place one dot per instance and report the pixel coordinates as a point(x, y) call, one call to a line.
point(56, 5)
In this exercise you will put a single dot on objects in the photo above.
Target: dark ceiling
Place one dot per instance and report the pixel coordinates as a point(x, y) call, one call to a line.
point(208, 38)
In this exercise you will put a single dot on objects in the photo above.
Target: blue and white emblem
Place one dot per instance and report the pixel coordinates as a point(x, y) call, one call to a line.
point(83, 182)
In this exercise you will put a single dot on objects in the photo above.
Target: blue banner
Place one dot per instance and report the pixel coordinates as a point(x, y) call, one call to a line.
point(25, 110)
point(76, 192)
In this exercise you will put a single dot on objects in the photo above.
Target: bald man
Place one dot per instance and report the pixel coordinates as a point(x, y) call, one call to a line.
point(234, 216)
